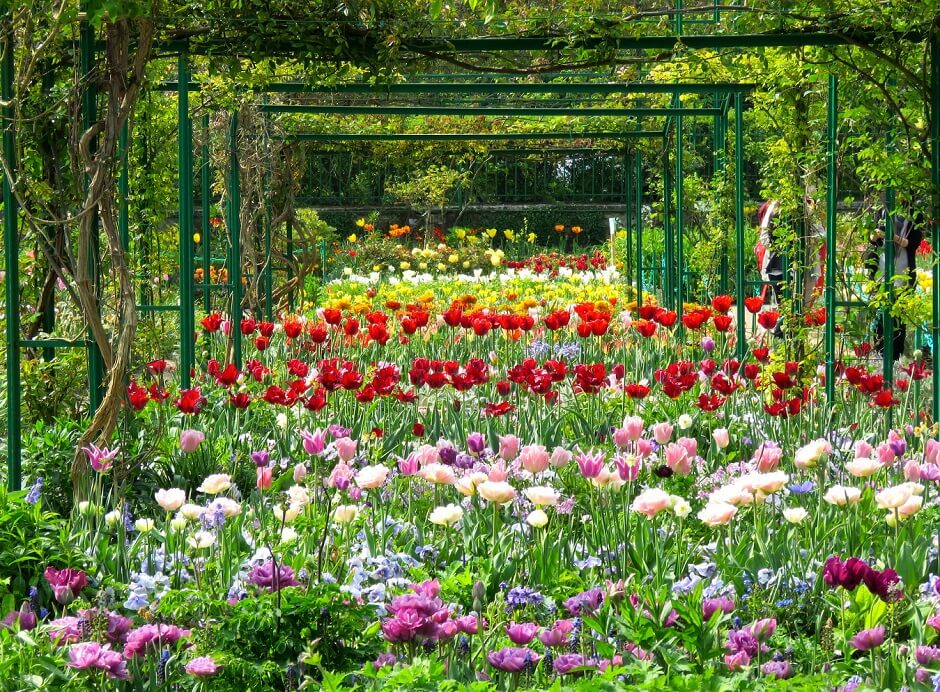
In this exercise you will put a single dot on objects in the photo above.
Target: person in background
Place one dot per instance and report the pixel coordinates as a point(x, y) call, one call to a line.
point(770, 260)
point(907, 237)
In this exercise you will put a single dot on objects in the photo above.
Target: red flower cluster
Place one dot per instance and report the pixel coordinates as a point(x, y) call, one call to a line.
point(552, 261)
point(439, 373)
point(849, 574)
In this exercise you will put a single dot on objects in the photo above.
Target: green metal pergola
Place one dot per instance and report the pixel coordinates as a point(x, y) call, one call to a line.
point(728, 100)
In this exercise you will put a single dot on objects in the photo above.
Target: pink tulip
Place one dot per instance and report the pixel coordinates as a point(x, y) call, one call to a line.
point(886, 455)
point(428, 454)
point(508, 447)
point(932, 451)
point(560, 457)
point(498, 472)
point(662, 432)
point(634, 426)
point(314, 442)
point(651, 502)
point(621, 437)
point(409, 466)
point(226, 326)
point(346, 449)
point(690, 445)
point(863, 449)
point(534, 458)
point(721, 437)
point(340, 477)
point(912, 471)
point(767, 457)
point(265, 475)
point(591, 463)
point(300, 472)
point(677, 458)
point(644, 448)
point(628, 467)
point(190, 440)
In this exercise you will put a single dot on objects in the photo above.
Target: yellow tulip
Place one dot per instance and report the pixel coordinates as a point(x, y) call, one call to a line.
point(352, 238)
point(197, 238)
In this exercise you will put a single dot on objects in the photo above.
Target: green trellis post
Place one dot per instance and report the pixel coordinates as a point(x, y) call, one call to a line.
point(123, 191)
point(739, 290)
point(720, 136)
point(234, 229)
point(887, 319)
point(290, 260)
point(205, 172)
point(668, 286)
point(935, 227)
point(12, 266)
point(680, 250)
point(628, 215)
point(831, 192)
point(89, 105)
point(187, 318)
point(638, 209)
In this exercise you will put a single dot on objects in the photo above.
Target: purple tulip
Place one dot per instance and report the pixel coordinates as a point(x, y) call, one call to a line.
point(265, 576)
point(927, 655)
point(781, 670)
point(585, 603)
point(744, 640)
point(710, 606)
point(476, 443)
point(557, 636)
point(764, 629)
point(396, 630)
point(261, 458)
point(448, 455)
point(566, 663)
point(512, 659)
point(868, 639)
point(469, 624)
point(24, 618)
point(386, 659)
point(66, 583)
point(521, 632)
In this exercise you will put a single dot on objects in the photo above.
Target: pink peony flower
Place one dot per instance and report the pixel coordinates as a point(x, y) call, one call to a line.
point(202, 667)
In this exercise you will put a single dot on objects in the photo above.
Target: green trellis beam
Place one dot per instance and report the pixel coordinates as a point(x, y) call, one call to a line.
point(463, 136)
point(530, 110)
point(493, 44)
point(489, 88)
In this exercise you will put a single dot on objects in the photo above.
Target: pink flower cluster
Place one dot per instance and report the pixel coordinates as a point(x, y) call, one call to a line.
point(421, 616)
point(94, 656)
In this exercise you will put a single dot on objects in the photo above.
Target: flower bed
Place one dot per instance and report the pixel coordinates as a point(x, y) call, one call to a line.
point(520, 481)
